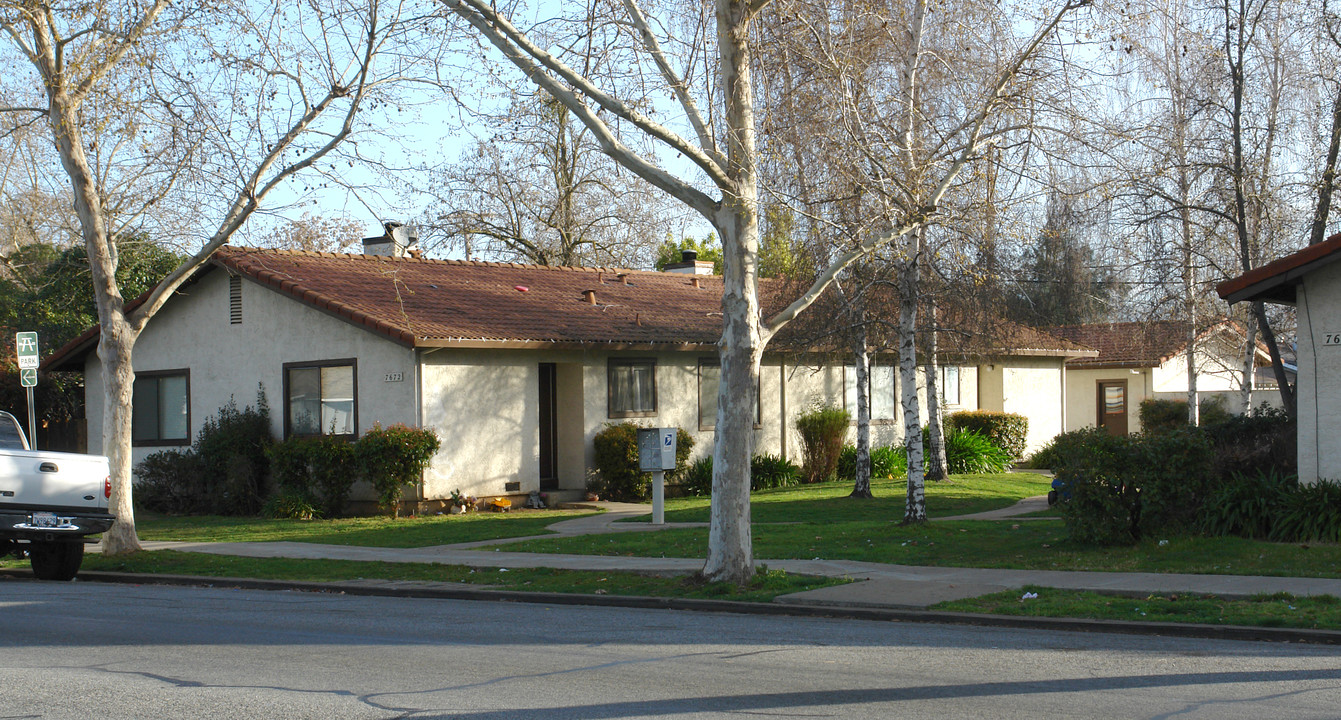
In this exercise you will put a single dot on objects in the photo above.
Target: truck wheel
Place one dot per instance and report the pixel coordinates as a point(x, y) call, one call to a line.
point(56, 560)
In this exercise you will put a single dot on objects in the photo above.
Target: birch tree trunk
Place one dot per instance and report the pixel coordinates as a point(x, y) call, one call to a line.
point(861, 358)
point(915, 506)
point(937, 465)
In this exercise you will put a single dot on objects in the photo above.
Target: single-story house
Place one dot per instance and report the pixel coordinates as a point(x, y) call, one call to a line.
point(516, 367)
point(1310, 280)
point(1137, 361)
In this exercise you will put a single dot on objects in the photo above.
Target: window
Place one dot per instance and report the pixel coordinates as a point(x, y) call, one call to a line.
point(632, 387)
point(320, 398)
point(709, 381)
point(882, 391)
point(949, 385)
point(161, 408)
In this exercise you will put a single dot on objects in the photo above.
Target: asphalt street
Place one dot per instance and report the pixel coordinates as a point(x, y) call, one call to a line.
point(78, 650)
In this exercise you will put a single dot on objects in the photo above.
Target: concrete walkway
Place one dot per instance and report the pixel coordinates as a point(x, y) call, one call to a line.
point(879, 585)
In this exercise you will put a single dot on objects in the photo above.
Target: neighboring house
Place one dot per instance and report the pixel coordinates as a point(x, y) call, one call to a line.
point(516, 367)
point(1140, 361)
point(1310, 280)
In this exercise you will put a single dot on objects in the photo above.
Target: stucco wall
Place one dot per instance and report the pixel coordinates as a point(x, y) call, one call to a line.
point(1319, 393)
point(228, 361)
point(1082, 393)
point(1028, 386)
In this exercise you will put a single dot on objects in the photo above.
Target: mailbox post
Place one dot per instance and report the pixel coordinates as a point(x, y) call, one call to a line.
point(656, 454)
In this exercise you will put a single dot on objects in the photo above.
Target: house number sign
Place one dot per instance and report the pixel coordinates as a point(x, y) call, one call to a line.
point(1331, 338)
point(394, 377)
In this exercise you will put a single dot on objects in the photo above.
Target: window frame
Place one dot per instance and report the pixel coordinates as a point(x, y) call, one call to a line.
point(717, 363)
point(353, 365)
point(611, 367)
point(159, 440)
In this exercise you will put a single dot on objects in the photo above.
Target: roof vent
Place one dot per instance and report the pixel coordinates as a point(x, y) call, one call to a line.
point(688, 256)
point(590, 296)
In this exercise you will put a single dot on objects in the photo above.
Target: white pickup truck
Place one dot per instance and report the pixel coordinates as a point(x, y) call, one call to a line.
point(50, 503)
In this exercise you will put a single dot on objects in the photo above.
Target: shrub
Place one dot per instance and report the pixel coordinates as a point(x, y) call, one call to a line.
point(886, 462)
point(320, 469)
point(169, 482)
point(967, 451)
point(1246, 505)
point(772, 471)
point(225, 471)
point(697, 478)
point(616, 450)
point(290, 505)
point(1008, 431)
point(231, 449)
point(1310, 513)
point(822, 432)
point(1261, 442)
point(1159, 416)
point(1122, 488)
point(392, 458)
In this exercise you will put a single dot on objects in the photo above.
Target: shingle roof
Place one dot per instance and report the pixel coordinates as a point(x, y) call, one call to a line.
point(437, 303)
point(1130, 344)
point(1276, 281)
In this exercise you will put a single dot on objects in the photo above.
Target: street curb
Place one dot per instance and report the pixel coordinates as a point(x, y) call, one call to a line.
point(445, 592)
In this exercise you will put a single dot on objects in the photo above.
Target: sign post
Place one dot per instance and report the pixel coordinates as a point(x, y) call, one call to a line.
point(656, 454)
point(25, 343)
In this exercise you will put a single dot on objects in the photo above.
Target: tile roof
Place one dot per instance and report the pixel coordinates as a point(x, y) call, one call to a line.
point(438, 303)
point(428, 303)
point(1132, 344)
point(1276, 281)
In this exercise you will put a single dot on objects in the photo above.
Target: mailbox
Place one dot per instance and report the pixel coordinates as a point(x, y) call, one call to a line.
point(656, 449)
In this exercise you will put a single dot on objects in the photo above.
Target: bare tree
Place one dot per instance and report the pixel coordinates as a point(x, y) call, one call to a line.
point(539, 191)
point(726, 157)
point(125, 89)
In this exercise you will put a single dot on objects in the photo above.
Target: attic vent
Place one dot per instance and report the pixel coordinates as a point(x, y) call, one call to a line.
point(235, 300)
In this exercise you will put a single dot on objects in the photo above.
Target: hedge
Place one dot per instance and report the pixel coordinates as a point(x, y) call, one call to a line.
point(1008, 431)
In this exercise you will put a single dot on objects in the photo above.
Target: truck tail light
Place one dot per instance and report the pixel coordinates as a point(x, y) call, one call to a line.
point(107, 487)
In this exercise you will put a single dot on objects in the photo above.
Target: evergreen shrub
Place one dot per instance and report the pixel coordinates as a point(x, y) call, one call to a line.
point(1008, 431)
point(822, 433)
point(618, 477)
point(394, 458)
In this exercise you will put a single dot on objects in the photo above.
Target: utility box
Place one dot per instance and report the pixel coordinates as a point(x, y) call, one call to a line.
point(656, 449)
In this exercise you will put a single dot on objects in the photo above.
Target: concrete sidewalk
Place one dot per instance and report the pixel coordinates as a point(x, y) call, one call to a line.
point(878, 585)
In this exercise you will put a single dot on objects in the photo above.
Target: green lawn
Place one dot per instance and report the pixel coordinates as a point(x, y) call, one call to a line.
point(1040, 545)
point(964, 494)
point(1277, 610)
point(767, 585)
point(405, 532)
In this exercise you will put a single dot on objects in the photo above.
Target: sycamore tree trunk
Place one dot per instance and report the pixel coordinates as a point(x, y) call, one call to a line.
point(730, 551)
point(937, 465)
point(915, 507)
point(861, 358)
point(117, 339)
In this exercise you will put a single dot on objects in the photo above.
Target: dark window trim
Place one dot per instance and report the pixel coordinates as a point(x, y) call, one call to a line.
point(610, 365)
point(758, 394)
point(160, 442)
point(352, 363)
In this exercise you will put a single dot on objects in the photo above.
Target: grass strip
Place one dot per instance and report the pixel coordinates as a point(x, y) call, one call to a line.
point(1028, 545)
point(767, 584)
point(1278, 610)
point(961, 495)
point(406, 532)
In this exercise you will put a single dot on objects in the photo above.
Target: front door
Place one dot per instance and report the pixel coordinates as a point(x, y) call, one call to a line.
point(549, 446)
point(1113, 406)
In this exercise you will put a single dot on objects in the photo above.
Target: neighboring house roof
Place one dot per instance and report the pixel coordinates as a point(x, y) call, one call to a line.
point(1134, 344)
point(446, 303)
point(1276, 281)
